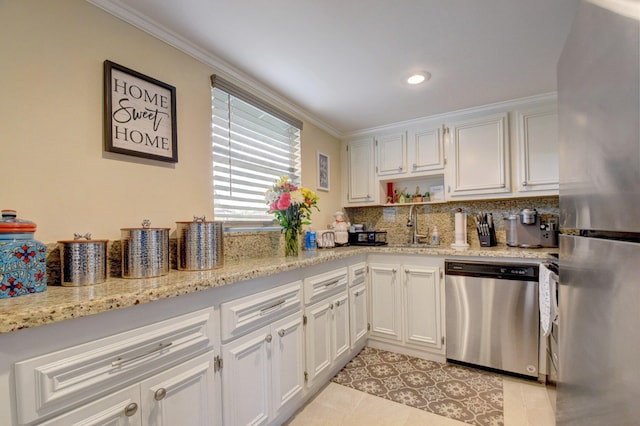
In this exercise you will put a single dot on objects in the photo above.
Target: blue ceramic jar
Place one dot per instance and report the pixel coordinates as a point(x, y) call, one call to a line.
point(23, 260)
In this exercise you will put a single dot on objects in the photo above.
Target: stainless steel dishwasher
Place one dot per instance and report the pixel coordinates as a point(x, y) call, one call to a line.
point(492, 315)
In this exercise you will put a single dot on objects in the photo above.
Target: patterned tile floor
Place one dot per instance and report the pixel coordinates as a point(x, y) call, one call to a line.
point(526, 403)
point(469, 395)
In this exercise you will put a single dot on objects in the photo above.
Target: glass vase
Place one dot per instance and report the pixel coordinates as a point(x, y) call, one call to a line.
point(291, 241)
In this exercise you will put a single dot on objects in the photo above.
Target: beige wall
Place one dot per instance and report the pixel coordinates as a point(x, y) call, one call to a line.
point(53, 166)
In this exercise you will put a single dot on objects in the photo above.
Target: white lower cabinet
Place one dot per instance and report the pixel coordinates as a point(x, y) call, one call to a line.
point(358, 319)
point(182, 395)
point(386, 301)
point(421, 303)
point(118, 409)
point(161, 374)
point(327, 334)
point(263, 372)
point(405, 302)
point(263, 355)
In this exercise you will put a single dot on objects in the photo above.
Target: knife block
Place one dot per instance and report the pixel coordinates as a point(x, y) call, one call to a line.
point(488, 240)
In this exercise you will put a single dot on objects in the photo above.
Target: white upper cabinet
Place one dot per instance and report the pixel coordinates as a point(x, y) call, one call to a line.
point(478, 162)
point(537, 150)
point(391, 154)
point(359, 165)
point(426, 150)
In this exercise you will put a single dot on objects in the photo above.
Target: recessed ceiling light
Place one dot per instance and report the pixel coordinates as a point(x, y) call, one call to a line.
point(418, 78)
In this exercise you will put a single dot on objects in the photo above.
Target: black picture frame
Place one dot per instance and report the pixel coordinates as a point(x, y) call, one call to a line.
point(140, 114)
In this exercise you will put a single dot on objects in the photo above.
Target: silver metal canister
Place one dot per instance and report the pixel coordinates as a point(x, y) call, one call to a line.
point(145, 251)
point(84, 261)
point(200, 244)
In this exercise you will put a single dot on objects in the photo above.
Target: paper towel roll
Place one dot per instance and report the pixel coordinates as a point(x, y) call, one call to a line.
point(460, 231)
point(460, 228)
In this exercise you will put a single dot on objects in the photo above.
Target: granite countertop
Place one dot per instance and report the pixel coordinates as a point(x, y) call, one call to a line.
point(61, 303)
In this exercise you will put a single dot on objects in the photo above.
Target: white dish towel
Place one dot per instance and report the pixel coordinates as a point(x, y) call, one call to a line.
point(548, 301)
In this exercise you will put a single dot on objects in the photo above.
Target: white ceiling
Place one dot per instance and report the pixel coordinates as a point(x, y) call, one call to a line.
point(343, 63)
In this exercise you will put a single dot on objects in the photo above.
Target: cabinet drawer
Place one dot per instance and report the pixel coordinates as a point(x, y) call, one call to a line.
point(251, 312)
point(357, 274)
point(319, 286)
point(64, 379)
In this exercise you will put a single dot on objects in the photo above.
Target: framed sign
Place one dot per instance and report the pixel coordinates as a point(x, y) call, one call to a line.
point(140, 115)
point(323, 172)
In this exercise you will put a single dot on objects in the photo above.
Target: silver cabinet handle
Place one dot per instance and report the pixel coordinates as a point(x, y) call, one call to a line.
point(269, 338)
point(160, 394)
point(394, 270)
point(281, 332)
point(359, 272)
point(331, 306)
point(334, 282)
point(130, 409)
point(272, 307)
point(524, 183)
point(120, 362)
point(339, 302)
point(400, 168)
point(408, 271)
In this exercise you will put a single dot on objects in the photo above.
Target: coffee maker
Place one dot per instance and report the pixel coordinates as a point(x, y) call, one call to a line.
point(527, 230)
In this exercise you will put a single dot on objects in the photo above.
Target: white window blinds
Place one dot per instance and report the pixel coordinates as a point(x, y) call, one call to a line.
point(253, 145)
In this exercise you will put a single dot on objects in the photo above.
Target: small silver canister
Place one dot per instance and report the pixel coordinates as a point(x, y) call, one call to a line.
point(84, 261)
point(200, 244)
point(145, 251)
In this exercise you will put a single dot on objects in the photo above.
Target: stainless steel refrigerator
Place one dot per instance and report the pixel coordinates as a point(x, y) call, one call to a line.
point(599, 293)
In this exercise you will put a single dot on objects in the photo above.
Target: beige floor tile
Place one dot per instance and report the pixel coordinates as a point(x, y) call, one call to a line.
point(339, 398)
point(422, 418)
point(375, 411)
point(515, 412)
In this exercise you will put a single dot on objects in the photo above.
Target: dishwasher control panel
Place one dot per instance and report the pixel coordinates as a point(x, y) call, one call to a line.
point(505, 271)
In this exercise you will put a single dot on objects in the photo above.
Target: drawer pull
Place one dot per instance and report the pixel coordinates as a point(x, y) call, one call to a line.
point(160, 394)
point(334, 282)
point(359, 272)
point(272, 307)
point(281, 332)
point(120, 362)
point(130, 409)
point(269, 338)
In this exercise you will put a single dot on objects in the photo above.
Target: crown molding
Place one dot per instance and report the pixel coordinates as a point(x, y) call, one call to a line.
point(131, 16)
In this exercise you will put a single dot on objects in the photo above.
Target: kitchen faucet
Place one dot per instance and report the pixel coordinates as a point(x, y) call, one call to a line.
point(412, 221)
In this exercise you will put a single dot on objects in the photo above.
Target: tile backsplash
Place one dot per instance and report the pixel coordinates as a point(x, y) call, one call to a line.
point(394, 219)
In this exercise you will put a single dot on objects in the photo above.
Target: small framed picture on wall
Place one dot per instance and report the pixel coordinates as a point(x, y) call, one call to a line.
point(323, 171)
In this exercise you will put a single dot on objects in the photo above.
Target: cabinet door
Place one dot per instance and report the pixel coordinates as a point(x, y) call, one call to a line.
point(246, 379)
point(318, 339)
point(479, 157)
point(391, 155)
point(180, 395)
point(358, 315)
point(121, 408)
point(386, 304)
point(422, 306)
point(360, 172)
point(538, 150)
point(287, 361)
point(340, 325)
point(426, 150)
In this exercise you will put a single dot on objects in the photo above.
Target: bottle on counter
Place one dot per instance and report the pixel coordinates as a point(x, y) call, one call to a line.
point(310, 240)
point(435, 237)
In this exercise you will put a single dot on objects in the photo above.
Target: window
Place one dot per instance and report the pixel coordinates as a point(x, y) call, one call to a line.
point(254, 144)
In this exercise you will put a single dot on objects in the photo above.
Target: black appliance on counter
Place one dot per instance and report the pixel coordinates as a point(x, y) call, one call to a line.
point(368, 238)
